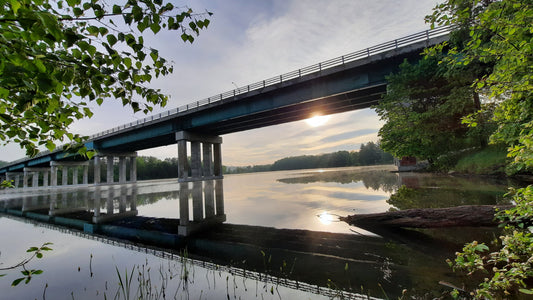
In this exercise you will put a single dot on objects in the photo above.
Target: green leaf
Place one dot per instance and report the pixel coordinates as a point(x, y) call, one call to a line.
point(93, 30)
point(50, 146)
point(111, 39)
point(17, 281)
point(117, 9)
point(15, 5)
point(155, 28)
point(526, 291)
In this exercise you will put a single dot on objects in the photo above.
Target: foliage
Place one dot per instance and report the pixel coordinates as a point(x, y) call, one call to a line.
point(368, 154)
point(509, 270)
point(60, 57)
point(490, 160)
point(423, 111)
point(500, 33)
point(153, 168)
point(27, 274)
point(5, 184)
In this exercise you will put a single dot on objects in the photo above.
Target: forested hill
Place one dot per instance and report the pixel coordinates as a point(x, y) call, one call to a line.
point(2, 163)
point(369, 154)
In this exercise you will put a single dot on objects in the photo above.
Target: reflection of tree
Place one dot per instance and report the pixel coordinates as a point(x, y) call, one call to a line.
point(430, 197)
point(374, 179)
point(151, 198)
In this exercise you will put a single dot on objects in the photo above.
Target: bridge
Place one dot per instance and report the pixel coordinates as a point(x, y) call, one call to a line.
point(350, 82)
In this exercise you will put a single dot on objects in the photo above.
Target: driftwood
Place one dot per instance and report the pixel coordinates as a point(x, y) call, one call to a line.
point(470, 215)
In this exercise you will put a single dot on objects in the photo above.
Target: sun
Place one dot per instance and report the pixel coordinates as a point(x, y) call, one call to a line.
point(317, 120)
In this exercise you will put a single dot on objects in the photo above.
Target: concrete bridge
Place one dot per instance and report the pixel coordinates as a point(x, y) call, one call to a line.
point(345, 83)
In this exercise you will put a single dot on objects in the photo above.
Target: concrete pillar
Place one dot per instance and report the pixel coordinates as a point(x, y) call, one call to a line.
point(133, 204)
point(123, 199)
point(45, 178)
point(197, 171)
point(207, 159)
point(197, 201)
point(53, 175)
point(217, 157)
point(122, 169)
point(75, 176)
point(97, 172)
point(196, 160)
point(219, 197)
point(183, 165)
point(109, 203)
point(133, 168)
point(35, 179)
point(17, 181)
point(97, 198)
point(86, 174)
point(64, 173)
point(25, 178)
point(209, 195)
point(110, 169)
point(184, 204)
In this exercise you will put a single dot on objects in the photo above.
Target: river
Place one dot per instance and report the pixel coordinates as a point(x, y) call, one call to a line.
point(280, 240)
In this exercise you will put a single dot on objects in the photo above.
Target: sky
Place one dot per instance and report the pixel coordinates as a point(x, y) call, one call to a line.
point(248, 41)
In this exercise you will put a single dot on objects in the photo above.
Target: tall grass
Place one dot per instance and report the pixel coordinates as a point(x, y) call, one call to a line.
point(490, 160)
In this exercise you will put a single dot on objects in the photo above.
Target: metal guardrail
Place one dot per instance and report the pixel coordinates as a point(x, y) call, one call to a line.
point(321, 66)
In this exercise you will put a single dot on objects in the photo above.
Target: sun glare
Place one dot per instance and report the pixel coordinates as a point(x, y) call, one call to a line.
point(317, 121)
point(325, 218)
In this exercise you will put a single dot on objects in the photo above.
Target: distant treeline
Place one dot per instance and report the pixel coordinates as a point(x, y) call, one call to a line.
point(369, 154)
point(3, 163)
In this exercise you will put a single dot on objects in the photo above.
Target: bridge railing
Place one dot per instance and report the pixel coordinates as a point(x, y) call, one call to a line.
point(338, 61)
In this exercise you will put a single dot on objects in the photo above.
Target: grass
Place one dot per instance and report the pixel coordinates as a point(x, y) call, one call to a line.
point(490, 160)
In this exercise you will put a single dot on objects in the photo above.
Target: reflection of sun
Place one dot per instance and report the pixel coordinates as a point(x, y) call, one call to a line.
point(317, 120)
point(325, 218)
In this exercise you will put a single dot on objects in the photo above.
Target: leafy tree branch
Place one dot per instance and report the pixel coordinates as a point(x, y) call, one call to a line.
point(60, 56)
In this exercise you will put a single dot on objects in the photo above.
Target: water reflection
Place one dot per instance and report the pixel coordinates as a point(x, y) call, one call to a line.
point(272, 229)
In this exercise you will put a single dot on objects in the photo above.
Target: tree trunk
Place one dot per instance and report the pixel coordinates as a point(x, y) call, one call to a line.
point(470, 215)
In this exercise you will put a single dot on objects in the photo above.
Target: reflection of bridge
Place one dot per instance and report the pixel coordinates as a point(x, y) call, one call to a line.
point(349, 82)
point(90, 209)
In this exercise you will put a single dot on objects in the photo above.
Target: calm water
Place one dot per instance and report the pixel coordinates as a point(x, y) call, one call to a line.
point(261, 251)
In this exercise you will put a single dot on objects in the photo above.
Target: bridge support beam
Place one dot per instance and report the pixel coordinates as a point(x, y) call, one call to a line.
point(203, 167)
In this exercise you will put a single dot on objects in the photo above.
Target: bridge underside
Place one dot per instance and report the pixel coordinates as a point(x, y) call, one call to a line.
point(338, 103)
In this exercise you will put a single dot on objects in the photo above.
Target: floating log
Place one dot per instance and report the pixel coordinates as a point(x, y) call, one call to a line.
point(468, 215)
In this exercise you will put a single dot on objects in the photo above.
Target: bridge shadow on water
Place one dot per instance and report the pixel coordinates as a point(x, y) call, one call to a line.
point(380, 264)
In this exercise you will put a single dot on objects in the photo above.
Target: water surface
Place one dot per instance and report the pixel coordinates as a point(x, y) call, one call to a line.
point(277, 223)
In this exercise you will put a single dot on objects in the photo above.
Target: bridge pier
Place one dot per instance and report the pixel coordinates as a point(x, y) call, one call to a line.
point(65, 166)
point(207, 199)
point(125, 196)
point(124, 159)
point(202, 167)
point(35, 174)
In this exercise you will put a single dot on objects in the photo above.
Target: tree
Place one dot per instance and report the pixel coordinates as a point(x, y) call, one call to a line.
point(497, 33)
point(369, 154)
point(424, 107)
point(56, 57)
point(500, 33)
